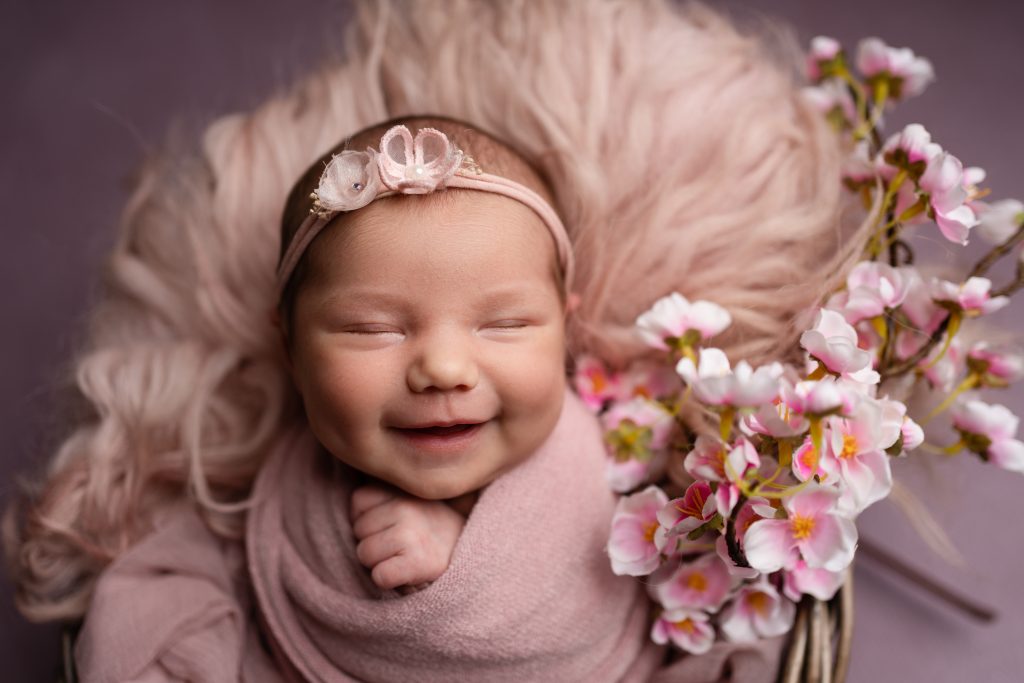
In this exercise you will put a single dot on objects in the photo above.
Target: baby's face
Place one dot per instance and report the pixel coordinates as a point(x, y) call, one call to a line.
point(428, 340)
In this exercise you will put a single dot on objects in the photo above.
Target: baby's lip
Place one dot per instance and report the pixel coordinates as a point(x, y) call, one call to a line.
point(428, 424)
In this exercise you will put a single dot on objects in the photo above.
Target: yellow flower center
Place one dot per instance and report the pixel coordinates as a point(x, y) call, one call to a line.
point(758, 602)
point(649, 531)
point(599, 381)
point(809, 458)
point(697, 581)
point(850, 447)
point(802, 526)
point(684, 625)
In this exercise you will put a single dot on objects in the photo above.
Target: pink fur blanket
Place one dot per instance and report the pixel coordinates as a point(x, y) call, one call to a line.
point(528, 596)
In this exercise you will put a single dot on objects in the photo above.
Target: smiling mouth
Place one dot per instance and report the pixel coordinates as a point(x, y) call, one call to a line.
point(441, 431)
point(443, 440)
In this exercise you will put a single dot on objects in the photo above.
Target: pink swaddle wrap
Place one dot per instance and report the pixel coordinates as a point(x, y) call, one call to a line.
point(528, 596)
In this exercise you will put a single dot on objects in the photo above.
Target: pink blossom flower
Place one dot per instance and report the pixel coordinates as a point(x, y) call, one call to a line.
point(714, 382)
point(631, 545)
point(740, 459)
point(942, 373)
point(674, 318)
point(833, 342)
point(913, 434)
point(814, 530)
point(808, 462)
point(682, 515)
point(910, 149)
point(702, 584)
point(857, 446)
point(971, 297)
point(647, 380)
point(636, 433)
point(998, 366)
point(688, 629)
point(832, 99)
point(918, 305)
point(907, 73)
point(1000, 220)
point(594, 383)
point(819, 398)
point(712, 461)
point(625, 475)
point(823, 50)
point(942, 182)
point(897, 429)
point(989, 431)
point(859, 169)
point(802, 580)
point(637, 427)
point(707, 459)
point(757, 611)
point(873, 288)
point(777, 419)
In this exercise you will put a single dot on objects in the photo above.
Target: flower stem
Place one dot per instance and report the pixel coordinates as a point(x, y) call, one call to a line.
point(943, 450)
point(725, 423)
point(969, 382)
point(954, 326)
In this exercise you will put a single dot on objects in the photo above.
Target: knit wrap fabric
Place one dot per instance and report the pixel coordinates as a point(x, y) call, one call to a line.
point(528, 594)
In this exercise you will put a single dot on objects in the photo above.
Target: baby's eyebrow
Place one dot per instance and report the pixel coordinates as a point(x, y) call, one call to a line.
point(517, 293)
point(363, 296)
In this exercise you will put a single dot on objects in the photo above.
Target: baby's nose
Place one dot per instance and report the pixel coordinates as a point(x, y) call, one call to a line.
point(443, 364)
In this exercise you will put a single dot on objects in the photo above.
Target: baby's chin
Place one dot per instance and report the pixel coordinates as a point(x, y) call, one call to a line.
point(440, 487)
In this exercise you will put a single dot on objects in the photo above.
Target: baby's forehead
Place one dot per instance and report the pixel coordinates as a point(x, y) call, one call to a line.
point(446, 219)
point(451, 230)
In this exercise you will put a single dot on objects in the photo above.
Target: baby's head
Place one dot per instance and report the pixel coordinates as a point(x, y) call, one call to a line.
point(426, 333)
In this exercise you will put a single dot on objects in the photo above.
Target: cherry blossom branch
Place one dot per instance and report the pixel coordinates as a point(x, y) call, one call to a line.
point(1016, 284)
point(731, 542)
point(919, 355)
point(947, 595)
point(997, 253)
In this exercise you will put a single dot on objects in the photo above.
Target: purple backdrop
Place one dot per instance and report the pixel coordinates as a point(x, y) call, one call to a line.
point(91, 87)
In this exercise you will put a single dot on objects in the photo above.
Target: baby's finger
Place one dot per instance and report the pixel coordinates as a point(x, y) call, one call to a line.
point(368, 497)
point(375, 520)
point(397, 571)
point(374, 549)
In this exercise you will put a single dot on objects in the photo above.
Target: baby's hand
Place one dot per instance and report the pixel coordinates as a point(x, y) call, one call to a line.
point(403, 541)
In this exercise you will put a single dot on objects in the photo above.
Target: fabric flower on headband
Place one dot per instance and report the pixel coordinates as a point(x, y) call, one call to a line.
point(349, 182)
point(411, 166)
point(417, 166)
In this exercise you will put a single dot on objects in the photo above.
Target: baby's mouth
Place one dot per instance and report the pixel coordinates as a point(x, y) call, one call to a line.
point(442, 431)
point(442, 438)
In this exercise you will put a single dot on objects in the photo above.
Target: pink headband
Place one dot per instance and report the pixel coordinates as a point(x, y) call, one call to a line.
point(430, 162)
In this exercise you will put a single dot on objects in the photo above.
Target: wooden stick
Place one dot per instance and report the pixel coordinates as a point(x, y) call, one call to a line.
point(826, 639)
point(845, 607)
point(797, 647)
point(947, 595)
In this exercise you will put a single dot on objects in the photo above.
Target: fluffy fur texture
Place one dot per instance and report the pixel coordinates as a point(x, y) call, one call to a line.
point(680, 155)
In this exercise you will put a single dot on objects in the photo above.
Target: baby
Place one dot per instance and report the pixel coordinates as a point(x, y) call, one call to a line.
point(426, 336)
point(423, 311)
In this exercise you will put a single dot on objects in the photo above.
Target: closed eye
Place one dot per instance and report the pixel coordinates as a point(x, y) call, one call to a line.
point(507, 326)
point(371, 330)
